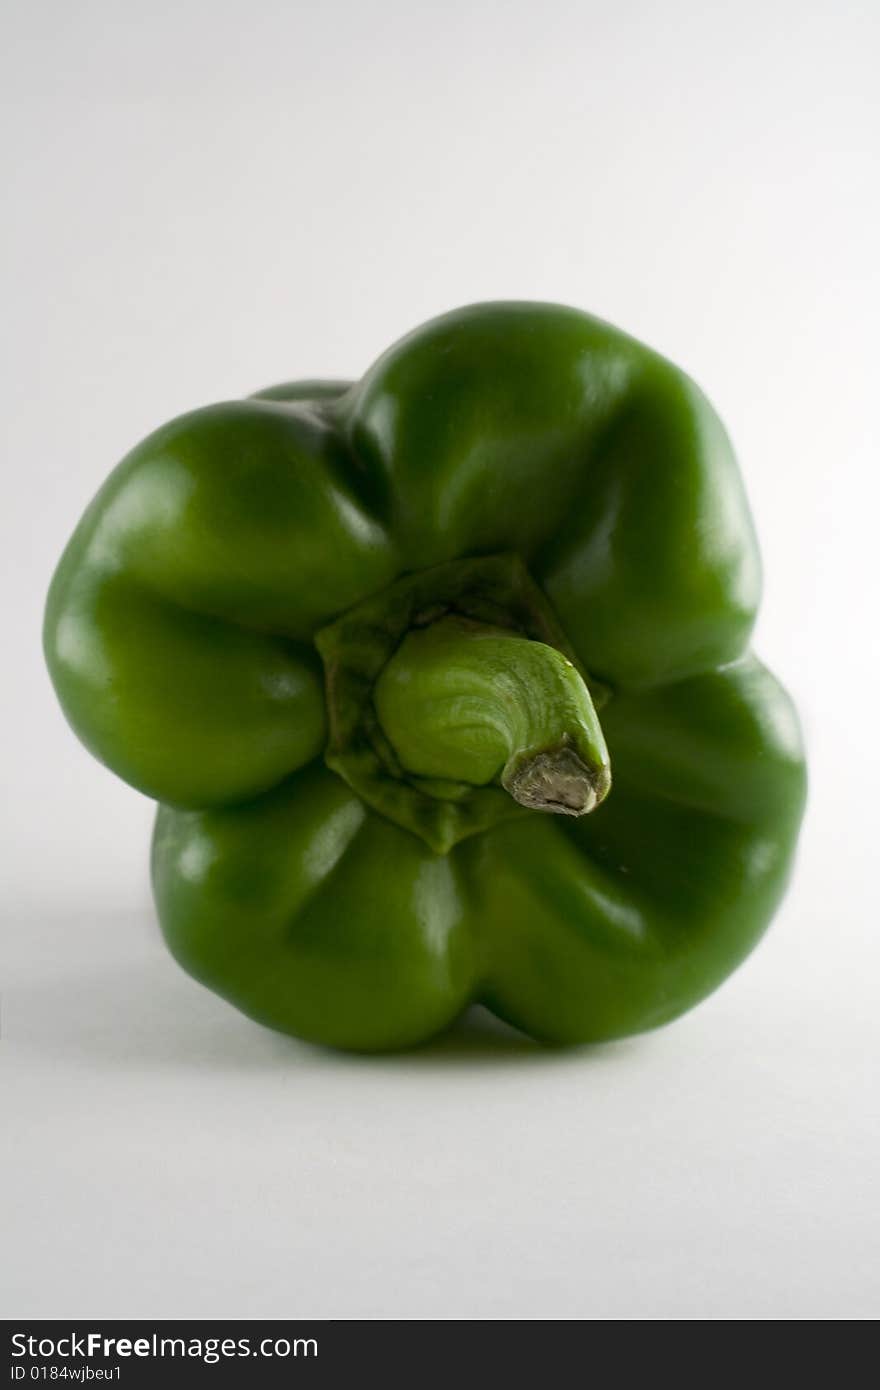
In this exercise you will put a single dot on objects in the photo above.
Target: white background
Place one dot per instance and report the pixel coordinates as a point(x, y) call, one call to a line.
point(206, 197)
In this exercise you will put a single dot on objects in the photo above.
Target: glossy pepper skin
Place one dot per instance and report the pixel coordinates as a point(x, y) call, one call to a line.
point(259, 577)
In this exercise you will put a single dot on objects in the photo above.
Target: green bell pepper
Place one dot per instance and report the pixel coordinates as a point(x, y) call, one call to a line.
point(379, 652)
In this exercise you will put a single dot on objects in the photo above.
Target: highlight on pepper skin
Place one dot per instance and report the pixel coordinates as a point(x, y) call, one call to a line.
point(442, 683)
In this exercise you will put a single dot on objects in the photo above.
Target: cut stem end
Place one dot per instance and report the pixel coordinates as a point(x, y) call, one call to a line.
point(556, 781)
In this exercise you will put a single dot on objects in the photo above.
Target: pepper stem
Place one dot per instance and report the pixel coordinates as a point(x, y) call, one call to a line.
point(463, 702)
